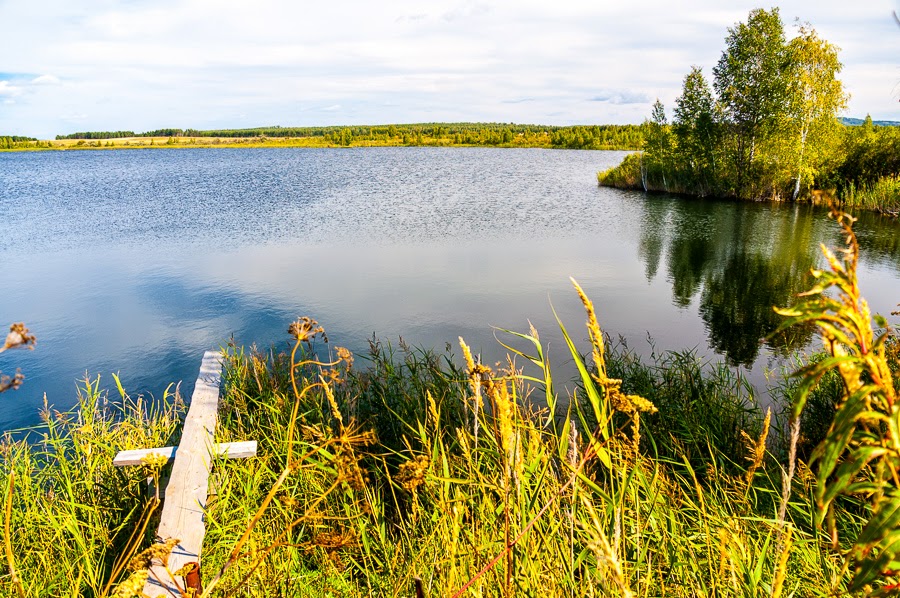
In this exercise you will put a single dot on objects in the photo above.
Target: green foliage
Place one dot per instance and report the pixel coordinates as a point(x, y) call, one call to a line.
point(617, 137)
point(645, 481)
point(865, 173)
point(696, 132)
point(859, 454)
point(752, 86)
point(705, 410)
point(17, 142)
point(769, 131)
point(813, 105)
point(73, 514)
point(97, 135)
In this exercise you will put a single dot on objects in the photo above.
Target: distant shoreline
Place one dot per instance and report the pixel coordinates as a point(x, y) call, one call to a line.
point(608, 137)
point(250, 142)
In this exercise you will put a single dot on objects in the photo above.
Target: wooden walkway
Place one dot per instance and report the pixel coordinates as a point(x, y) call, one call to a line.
point(184, 509)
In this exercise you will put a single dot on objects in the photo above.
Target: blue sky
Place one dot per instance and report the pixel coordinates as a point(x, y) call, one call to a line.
point(70, 66)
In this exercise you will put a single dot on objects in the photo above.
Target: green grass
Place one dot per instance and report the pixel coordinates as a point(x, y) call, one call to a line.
point(385, 482)
point(881, 196)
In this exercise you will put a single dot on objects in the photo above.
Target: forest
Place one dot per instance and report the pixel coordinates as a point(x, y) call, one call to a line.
point(767, 128)
point(627, 137)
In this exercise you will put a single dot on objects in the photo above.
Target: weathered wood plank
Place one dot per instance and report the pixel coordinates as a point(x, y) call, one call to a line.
point(183, 514)
point(222, 450)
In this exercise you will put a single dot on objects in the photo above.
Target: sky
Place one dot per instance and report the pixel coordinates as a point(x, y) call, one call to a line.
point(139, 65)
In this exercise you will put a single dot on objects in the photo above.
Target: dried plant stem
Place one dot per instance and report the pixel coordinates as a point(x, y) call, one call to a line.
point(7, 532)
point(132, 545)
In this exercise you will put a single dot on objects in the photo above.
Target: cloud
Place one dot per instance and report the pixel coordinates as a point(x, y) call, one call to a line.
point(8, 90)
point(411, 18)
point(45, 80)
point(621, 96)
point(466, 11)
point(273, 61)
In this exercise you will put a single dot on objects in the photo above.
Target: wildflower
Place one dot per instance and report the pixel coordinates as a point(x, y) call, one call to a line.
point(305, 329)
point(288, 501)
point(11, 383)
point(335, 411)
point(133, 586)
point(412, 473)
point(159, 552)
point(641, 404)
point(594, 332)
point(348, 470)
point(345, 355)
point(757, 449)
point(154, 461)
point(334, 376)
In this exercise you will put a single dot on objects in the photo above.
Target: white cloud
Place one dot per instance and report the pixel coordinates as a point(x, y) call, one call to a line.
point(9, 90)
point(621, 96)
point(46, 80)
point(221, 63)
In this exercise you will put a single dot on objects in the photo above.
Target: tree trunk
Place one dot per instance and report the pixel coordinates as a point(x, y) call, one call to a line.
point(803, 133)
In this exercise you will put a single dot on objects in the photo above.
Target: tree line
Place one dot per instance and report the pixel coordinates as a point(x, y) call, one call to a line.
point(487, 134)
point(97, 135)
point(767, 128)
point(14, 141)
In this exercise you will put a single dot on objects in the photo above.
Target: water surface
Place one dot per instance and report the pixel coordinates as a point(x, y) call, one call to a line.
point(137, 261)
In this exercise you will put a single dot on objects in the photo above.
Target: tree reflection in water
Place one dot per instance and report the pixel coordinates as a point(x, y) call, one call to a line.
point(739, 260)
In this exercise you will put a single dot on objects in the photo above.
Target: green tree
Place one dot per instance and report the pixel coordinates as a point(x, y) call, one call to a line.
point(657, 148)
point(751, 83)
point(695, 129)
point(816, 96)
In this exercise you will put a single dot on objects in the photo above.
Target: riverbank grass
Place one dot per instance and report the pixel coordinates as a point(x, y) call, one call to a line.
point(407, 469)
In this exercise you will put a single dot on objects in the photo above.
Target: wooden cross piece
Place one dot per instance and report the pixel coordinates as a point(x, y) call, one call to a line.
point(184, 508)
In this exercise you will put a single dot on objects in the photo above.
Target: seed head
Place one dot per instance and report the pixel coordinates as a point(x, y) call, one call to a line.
point(133, 586)
point(345, 355)
point(305, 329)
point(412, 473)
point(19, 336)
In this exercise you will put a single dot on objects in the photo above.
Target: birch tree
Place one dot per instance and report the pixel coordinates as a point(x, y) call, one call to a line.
point(751, 83)
point(815, 99)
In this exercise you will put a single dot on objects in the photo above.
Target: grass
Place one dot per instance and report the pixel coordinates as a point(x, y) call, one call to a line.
point(881, 196)
point(381, 471)
point(407, 472)
point(71, 514)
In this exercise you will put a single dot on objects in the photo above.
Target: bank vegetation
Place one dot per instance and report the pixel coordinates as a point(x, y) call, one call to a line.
point(766, 128)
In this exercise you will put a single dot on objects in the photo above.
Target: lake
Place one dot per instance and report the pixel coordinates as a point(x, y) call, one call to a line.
point(137, 261)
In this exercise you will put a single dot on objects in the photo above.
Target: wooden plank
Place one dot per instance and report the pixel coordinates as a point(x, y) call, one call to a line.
point(222, 450)
point(134, 457)
point(183, 515)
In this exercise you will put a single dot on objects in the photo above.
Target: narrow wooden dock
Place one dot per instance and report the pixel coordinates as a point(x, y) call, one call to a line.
point(184, 507)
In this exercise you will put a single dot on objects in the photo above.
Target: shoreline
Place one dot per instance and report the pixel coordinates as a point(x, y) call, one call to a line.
point(255, 142)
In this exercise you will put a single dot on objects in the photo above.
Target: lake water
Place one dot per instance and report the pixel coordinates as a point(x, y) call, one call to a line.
point(137, 261)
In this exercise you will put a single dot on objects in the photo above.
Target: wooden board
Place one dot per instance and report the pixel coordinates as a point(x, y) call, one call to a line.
point(184, 510)
point(222, 450)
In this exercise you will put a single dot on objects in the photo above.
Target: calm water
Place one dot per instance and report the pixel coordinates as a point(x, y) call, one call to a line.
point(137, 261)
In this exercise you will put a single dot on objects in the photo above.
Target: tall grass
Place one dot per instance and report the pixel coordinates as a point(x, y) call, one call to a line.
point(406, 471)
point(883, 195)
point(605, 497)
point(71, 515)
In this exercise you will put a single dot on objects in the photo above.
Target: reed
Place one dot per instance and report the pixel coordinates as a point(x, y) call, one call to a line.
point(404, 471)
